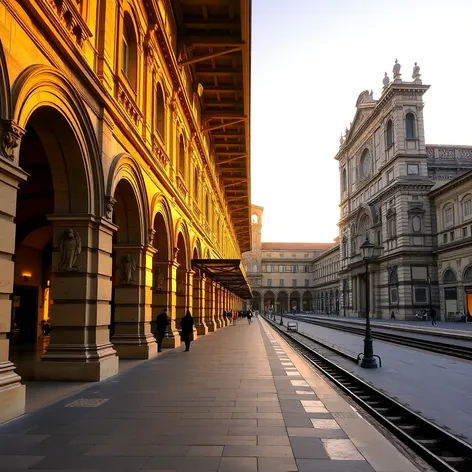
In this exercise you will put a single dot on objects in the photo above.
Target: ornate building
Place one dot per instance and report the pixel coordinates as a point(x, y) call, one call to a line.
point(387, 172)
point(280, 274)
point(453, 232)
point(124, 178)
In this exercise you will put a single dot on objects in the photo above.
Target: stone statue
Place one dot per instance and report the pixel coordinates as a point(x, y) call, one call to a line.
point(11, 135)
point(152, 233)
point(371, 95)
point(386, 81)
point(70, 246)
point(396, 70)
point(109, 204)
point(416, 73)
point(128, 267)
point(341, 140)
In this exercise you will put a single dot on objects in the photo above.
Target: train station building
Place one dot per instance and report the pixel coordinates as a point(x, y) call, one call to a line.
point(124, 180)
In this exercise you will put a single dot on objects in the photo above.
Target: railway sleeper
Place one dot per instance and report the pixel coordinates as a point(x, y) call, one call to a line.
point(407, 427)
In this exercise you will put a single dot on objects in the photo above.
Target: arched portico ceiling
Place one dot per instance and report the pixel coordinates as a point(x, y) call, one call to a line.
point(41, 86)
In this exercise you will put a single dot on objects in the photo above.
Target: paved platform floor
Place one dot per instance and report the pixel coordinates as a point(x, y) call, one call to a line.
point(240, 400)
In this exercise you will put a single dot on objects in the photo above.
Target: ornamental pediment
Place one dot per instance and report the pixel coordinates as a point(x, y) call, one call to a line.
point(360, 118)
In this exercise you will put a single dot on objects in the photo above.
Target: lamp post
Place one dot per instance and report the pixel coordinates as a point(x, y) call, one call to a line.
point(429, 295)
point(368, 360)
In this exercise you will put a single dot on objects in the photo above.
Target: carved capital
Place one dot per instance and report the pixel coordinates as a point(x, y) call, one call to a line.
point(11, 135)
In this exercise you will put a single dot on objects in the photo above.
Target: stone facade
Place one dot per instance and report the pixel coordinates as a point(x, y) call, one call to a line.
point(387, 172)
point(112, 181)
point(280, 274)
point(453, 233)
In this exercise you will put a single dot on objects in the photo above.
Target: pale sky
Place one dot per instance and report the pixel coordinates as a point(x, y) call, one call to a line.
point(310, 61)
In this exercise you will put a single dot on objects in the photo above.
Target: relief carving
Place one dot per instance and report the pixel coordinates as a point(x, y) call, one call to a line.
point(70, 247)
point(109, 204)
point(128, 268)
point(11, 137)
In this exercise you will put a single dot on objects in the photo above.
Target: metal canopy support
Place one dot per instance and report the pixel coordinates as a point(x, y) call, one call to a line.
point(228, 272)
point(209, 56)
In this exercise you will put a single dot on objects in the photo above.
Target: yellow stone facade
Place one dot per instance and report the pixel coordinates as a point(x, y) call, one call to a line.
point(111, 180)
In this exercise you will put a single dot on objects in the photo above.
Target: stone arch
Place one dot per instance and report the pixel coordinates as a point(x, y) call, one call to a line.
point(197, 247)
point(5, 96)
point(183, 241)
point(41, 86)
point(468, 274)
point(161, 217)
point(125, 168)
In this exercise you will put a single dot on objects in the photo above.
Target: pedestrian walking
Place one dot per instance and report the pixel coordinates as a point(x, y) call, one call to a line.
point(433, 317)
point(186, 323)
point(162, 321)
point(392, 315)
point(249, 316)
point(235, 317)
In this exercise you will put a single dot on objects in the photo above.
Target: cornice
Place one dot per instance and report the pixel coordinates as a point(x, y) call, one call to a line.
point(454, 183)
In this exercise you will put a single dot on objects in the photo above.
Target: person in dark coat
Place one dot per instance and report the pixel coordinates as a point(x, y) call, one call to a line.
point(162, 321)
point(186, 323)
point(432, 313)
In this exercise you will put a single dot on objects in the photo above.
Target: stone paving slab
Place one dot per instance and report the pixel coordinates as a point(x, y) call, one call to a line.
point(240, 400)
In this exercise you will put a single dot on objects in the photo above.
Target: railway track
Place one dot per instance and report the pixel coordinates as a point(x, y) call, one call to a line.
point(435, 445)
point(454, 350)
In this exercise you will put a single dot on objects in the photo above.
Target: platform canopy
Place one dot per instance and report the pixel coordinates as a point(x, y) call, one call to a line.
point(214, 41)
point(227, 272)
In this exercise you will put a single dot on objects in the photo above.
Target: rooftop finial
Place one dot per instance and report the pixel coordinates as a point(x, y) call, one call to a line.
point(385, 81)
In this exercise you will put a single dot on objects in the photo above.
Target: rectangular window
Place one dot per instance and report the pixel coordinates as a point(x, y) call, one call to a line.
point(464, 232)
point(294, 282)
point(281, 268)
point(294, 255)
point(419, 273)
point(307, 282)
point(393, 295)
point(269, 268)
point(269, 282)
point(445, 238)
point(306, 269)
point(294, 268)
point(281, 254)
point(420, 295)
point(281, 282)
point(255, 268)
point(390, 176)
point(306, 256)
point(451, 235)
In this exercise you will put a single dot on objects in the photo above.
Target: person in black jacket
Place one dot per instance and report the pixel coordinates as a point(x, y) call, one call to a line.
point(186, 323)
point(162, 321)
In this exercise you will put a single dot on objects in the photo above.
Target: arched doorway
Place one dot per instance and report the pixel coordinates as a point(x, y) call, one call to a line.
point(269, 301)
point(131, 297)
point(181, 292)
point(307, 301)
point(282, 299)
point(56, 261)
point(295, 301)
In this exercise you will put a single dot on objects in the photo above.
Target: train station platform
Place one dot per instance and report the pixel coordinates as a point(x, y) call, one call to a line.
point(241, 400)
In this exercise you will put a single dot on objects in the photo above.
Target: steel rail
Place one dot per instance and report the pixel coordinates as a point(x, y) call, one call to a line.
point(454, 350)
point(439, 448)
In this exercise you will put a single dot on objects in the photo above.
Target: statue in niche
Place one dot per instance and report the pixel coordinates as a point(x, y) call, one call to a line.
point(109, 204)
point(386, 81)
point(180, 285)
point(128, 267)
point(152, 233)
point(396, 70)
point(160, 280)
point(416, 72)
point(70, 247)
point(341, 140)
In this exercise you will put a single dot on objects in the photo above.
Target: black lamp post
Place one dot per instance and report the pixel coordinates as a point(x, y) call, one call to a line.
point(368, 360)
point(429, 295)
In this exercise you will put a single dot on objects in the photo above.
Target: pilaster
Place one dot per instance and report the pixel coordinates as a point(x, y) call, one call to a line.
point(199, 305)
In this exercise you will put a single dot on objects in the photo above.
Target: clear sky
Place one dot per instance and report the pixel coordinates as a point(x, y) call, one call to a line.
point(310, 61)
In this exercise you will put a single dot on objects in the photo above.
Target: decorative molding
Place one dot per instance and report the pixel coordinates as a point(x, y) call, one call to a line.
point(128, 103)
point(109, 204)
point(11, 135)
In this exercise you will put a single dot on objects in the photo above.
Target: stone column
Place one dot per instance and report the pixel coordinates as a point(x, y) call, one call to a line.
point(79, 347)
point(189, 291)
point(180, 295)
point(133, 297)
point(172, 338)
point(210, 307)
point(199, 305)
point(12, 392)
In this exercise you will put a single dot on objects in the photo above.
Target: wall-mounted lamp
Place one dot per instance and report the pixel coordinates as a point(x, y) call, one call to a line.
point(26, 276)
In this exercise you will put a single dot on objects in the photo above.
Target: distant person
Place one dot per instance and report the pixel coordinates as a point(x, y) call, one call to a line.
point(162, 321)
point(392, 315)
point(235, 317)
point(249, 316)
point(433, 317)
point(186, 323)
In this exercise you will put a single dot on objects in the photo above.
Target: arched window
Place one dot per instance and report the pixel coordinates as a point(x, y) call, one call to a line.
point(364, 228)
point(366, 163)
point(467, 206)
point(195, 184)
point(410, 123)
point(343, 179)
point(389, 134)
point(129, 55)
point(160, 112)
point(254, 219)
point(448, 216)
point(468, 274)
point(181, 162)
point(449, 277)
